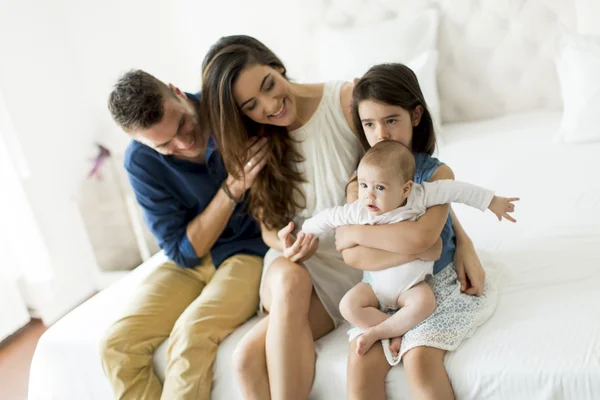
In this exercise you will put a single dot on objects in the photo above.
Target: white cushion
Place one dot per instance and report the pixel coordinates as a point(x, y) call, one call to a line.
point(578, 63)
point(425, 67)
point(495, 57)
point(348, 52)
point(588, 14)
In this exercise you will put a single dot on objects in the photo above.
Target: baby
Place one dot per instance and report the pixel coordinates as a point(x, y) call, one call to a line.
point(386, 195)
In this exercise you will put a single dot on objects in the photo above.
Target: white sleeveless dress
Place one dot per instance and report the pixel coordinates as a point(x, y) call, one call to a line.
point(331, 153)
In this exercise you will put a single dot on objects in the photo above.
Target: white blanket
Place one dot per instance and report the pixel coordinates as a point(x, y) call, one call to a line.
point(543, 342)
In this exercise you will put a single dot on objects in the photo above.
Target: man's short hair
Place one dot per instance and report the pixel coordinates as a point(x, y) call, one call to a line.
point(136, 101)
point(392, 154)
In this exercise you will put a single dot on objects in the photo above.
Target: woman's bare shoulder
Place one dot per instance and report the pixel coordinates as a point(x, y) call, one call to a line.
point(346, 102)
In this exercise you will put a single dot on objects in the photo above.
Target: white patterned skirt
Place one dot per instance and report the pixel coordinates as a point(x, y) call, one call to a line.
point(455, 319)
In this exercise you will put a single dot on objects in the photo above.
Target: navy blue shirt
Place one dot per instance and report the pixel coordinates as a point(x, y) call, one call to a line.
point(172, 192)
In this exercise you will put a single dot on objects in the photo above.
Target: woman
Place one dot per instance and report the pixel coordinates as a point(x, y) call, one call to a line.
point(388, 104)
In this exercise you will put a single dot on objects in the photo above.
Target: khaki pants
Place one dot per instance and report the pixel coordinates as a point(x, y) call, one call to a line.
point(196, 309)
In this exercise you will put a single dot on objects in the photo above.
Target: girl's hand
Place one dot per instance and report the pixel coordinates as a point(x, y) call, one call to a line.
point(502, 206)
point(256, 158)
point(468, 268)
point(298, 249)
point(344, 238)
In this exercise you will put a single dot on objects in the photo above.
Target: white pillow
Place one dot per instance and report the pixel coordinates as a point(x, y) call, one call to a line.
point(588, 13)
point(425, 67)
point(345, 53)
point(578, 65)
point(348, 52)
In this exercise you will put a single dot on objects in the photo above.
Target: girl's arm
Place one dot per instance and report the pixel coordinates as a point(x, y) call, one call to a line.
point(408, 237)
point(468, 267)
point(371, 259)
point(459, 231)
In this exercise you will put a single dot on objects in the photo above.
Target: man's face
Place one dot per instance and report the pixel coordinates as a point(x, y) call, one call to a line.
point(178, 133)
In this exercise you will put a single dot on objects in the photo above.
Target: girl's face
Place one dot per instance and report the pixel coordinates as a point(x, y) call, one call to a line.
point(382, 121)
point(264, 95)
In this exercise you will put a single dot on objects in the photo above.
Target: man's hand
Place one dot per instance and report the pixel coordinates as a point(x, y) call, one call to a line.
point(298, 249)
point(255, 160)
point(502, 206)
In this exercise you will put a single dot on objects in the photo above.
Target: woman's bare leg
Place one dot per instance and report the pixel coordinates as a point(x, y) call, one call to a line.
point(250, 363)
point(296, 318)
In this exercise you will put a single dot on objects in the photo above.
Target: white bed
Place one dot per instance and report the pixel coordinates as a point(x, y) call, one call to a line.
point(543, 342)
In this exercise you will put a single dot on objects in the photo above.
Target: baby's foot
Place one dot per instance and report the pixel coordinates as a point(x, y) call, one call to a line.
point(364, 342)
point(395, 346)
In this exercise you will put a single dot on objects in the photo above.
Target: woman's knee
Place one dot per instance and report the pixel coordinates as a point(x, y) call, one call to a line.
point(289, 281)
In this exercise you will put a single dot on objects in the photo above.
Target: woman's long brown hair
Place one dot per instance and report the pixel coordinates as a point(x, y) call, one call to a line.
point(272, 195)
point(394, 84)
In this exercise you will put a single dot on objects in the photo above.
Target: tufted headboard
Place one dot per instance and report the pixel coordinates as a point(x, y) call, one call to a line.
point(495, 56)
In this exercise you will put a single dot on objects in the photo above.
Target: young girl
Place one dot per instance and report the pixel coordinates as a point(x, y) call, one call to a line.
point(389, 105)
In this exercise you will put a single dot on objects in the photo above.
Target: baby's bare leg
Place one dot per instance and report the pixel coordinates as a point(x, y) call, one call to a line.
point(416, 304)
point(360, 307)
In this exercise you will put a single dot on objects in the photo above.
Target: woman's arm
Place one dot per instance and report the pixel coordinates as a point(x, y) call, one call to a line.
point(408, 237)
point(270, 238)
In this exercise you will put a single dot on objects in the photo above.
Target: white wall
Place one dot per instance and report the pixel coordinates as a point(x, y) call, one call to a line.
point(44, 96)
point(170, 39)
point(58, 61)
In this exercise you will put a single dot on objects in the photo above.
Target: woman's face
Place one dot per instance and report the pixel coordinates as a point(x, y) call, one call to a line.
point(264, 95)
point(382, 121)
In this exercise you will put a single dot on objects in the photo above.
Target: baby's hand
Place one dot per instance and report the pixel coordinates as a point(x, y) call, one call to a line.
point(502, 206)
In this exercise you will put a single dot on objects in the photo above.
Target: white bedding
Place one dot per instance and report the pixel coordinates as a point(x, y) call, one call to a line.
point(543, 342)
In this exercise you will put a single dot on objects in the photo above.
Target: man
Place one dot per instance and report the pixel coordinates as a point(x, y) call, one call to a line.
point(197, 212)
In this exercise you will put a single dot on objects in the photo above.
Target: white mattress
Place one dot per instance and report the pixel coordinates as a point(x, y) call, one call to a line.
point(543, 342)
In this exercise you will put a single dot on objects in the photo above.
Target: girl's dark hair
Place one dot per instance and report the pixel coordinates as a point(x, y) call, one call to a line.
point(272, 195)
point(397, 85)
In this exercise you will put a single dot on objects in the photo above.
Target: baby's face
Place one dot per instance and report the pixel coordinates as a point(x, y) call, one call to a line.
point(380, 190)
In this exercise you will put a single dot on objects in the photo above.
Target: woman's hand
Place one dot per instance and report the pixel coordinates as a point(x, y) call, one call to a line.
point(298, 249)
point(468, 268)
point(256, 158)
point(344, 238)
